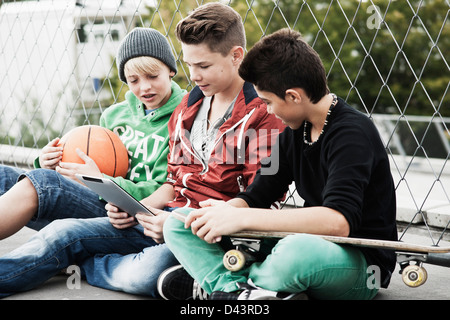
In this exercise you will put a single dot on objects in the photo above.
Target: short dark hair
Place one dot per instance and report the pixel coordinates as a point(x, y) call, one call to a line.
point(217, 25)
point(283, 60)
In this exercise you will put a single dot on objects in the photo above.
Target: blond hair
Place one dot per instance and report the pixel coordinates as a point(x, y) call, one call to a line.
point(143, 65)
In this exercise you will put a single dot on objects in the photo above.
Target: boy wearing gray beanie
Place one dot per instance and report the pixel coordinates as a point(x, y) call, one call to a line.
point(144, 42)
point(146, 64)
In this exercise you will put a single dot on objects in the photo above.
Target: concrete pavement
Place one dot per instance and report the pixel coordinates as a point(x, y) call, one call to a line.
point(57, 288)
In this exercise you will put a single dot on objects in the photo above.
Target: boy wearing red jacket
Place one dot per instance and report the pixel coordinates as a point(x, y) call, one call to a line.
point(219, 134)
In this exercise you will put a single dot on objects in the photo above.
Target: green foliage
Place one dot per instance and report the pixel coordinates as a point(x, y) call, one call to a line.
point(394, 62)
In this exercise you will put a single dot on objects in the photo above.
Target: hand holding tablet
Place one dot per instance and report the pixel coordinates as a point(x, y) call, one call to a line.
point(111, 192)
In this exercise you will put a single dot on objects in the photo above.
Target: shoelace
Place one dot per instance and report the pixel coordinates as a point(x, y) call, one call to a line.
point(250, 290)
point(198, 293)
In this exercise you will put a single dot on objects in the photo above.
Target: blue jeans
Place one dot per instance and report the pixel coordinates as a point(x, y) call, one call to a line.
point(110, 258)
point(58, 197)
point(123, 260)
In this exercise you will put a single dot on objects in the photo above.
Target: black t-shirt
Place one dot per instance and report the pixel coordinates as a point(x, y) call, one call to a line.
point(346, 169)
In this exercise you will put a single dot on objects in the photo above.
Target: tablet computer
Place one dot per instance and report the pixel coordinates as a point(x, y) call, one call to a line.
point(110, 191)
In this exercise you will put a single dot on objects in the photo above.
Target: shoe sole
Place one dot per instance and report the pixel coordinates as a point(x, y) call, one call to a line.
point(162, 276)
point(297, 296)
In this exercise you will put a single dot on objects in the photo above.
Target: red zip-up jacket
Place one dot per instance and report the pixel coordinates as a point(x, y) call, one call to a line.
point(242, 141)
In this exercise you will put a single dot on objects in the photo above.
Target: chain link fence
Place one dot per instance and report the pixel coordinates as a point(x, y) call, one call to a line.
point(388, 59)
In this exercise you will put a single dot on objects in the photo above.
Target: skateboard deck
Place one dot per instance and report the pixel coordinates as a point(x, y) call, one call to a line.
point(360, 242)
point(413, 275)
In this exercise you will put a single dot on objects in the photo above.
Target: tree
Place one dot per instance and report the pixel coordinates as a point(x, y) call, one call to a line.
point(397, 65)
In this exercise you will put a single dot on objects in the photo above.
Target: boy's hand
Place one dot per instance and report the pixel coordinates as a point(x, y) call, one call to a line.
point(69, 169)
point(153, 225)
point(119, 219)
point(211, 223)
point(210, 203)
point(50, 155)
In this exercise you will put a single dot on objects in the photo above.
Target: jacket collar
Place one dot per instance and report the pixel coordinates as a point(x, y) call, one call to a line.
point(196, 94)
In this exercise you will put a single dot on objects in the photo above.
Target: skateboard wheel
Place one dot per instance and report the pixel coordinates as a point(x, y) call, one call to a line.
point(414, 276)
point(234, 260)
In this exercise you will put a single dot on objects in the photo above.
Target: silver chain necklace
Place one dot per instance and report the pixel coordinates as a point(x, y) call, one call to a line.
point(307, 124)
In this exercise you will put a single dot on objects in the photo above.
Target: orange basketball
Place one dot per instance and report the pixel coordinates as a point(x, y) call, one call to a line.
point(100, 144)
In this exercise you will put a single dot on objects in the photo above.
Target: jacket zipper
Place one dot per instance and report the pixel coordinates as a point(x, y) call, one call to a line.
point(242, 122)
point(193, 153)
point(240, 182)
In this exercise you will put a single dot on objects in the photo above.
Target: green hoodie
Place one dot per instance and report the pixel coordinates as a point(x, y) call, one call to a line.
point(147, 139)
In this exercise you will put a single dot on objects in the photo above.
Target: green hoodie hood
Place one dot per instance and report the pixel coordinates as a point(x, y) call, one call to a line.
point(137, 108)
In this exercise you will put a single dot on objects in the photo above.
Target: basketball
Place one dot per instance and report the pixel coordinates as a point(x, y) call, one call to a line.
point(100, 144)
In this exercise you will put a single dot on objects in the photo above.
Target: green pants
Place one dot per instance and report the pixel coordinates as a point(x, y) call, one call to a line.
point(297, 263)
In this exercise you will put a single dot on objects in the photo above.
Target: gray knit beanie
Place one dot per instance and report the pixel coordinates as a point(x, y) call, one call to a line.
point(144, 42)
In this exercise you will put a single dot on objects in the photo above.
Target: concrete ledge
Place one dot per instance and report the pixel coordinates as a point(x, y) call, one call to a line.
point(18, 156)
point(439, 217)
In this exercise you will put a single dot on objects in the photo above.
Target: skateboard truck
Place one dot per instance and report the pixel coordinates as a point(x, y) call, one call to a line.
point(245, 253)
point(413, 275)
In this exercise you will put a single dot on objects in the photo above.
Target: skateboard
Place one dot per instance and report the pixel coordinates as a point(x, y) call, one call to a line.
point(410, 257)
point(413, 275)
